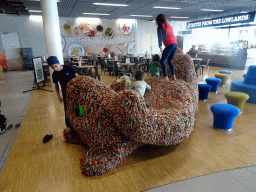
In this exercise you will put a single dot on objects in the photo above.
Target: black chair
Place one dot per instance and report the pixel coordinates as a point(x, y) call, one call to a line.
point(143, 65)
point(110, 67)
point(95, 74)
point(134, 68)
point(104, 65)
point(119, 71)
point(206, 65)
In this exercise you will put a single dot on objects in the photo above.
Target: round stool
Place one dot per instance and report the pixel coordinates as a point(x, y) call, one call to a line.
point(226, 72)
point(203, 90)
point(224, 115)
point(214, 82)
point(237, 98)
point(223, 77)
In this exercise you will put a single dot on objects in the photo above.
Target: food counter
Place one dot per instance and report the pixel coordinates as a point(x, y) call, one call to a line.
point(232, 55)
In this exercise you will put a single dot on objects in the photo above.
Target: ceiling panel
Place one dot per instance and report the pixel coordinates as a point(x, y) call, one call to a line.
point(66, 4)
point(34, 4)
point(190, 8)
point(104, 9)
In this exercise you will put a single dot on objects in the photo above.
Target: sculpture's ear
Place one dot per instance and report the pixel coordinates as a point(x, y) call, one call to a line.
point(79, 111)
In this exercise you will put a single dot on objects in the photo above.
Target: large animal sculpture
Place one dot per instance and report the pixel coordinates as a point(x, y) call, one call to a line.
point(113, 121)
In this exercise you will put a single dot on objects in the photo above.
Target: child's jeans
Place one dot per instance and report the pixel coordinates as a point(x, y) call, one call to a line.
point(169, 53)
point(156, 74)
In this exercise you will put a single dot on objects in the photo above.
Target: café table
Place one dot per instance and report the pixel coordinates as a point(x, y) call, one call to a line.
point(77, 62)
point(87, 56)
point(116, 60)
point(85, 68)
point(127, 66)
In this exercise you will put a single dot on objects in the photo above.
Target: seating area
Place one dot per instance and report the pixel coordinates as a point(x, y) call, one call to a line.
point(113, 65)
point(63, 159)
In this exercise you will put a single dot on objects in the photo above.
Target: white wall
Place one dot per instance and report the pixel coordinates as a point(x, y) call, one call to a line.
point(30, 32)
point(11, 45)
point(1, 44)
point(147, 27)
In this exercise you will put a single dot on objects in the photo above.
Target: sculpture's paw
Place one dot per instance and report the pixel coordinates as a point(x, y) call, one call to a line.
point(98, 162)
point(71, 137)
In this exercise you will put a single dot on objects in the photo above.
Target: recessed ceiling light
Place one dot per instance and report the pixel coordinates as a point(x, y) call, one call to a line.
point(179, 17)
point(156, 7)
point(111, 4)
point(141, 16)
point(88, 19)
point(95, 14)
point(35, 11)
point(212, 10)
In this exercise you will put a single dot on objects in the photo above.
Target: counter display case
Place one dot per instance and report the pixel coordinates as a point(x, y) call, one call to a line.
point(231, 55)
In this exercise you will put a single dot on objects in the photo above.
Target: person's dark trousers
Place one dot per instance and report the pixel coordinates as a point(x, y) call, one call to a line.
point(169, 53)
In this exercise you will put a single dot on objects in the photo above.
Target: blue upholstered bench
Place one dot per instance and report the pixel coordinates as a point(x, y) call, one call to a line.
point(203, 90)
point(224, 115)
point(246, 85)
point(214, 82)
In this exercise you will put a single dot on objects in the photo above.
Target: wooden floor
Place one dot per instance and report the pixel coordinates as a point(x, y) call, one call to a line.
point(54, 166)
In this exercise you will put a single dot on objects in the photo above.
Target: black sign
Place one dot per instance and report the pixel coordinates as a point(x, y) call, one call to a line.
point(232, 19)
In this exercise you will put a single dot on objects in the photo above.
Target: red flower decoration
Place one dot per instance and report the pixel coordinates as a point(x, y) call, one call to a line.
point(92, 33)
point(125, 29)
point(105, 50)
point(112, 54)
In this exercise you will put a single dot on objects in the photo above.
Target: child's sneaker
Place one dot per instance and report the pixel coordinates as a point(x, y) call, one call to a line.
point(47, 138)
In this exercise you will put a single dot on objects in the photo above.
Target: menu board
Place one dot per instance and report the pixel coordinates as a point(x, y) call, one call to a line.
point(38, 69)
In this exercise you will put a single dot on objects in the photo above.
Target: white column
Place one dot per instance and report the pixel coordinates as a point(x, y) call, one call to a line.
point(52, 30)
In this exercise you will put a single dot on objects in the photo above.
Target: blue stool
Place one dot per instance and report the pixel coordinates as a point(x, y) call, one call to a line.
point(226, 72)
point(214, 82)
point(224, 115)
point(203, 90)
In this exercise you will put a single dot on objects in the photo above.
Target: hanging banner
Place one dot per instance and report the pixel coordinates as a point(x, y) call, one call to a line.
point(227, 20)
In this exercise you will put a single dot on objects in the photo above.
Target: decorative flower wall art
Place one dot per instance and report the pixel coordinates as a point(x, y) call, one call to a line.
point(125, 28)
point(105, 50)
point(99, 28)
point(109, 32)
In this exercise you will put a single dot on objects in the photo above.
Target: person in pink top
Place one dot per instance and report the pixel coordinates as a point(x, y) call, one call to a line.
point(165, 35)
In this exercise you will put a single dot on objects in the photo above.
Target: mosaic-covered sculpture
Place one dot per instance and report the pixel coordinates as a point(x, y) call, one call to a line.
point(113, 122)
